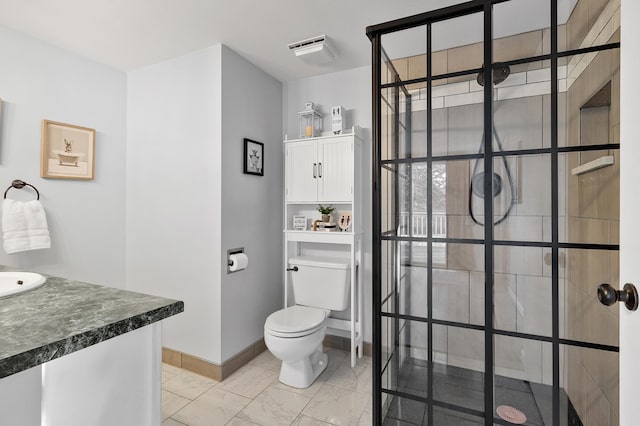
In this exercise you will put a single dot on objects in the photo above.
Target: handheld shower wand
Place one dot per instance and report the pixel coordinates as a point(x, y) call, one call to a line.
point(476, 185)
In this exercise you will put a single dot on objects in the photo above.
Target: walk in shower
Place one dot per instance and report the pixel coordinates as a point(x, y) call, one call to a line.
point(496, 214)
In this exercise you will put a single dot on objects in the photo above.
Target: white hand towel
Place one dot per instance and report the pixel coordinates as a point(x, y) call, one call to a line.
point(24, 226)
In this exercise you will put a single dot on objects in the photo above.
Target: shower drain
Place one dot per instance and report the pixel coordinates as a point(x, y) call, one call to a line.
point(511, 414)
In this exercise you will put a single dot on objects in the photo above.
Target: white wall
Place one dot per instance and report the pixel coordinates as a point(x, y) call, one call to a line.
point(352, 90)
point(174, 194)
point(251, 205)
point(86, 218)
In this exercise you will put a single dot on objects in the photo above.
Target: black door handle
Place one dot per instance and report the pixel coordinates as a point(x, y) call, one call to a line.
point(608, 295)
point(294, 269)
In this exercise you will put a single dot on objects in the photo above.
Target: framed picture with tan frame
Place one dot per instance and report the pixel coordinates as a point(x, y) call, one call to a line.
point(67, 151)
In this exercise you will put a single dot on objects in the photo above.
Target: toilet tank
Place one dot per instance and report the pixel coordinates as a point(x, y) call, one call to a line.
point(321, 282)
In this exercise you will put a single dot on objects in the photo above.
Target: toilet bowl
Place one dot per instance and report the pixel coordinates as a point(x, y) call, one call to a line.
point(294, 335)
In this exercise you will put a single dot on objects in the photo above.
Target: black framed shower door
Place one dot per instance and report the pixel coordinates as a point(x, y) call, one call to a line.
point(483, 245)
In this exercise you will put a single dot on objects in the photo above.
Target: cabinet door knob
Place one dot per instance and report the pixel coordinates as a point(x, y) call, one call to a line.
point(315, 170)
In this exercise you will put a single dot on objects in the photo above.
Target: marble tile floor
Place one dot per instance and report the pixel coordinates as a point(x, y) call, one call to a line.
point(254, 396)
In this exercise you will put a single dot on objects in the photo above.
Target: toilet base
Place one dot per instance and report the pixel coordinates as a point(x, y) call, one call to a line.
point(302, 373)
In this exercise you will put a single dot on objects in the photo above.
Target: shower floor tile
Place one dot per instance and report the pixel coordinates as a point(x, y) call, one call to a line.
point(465, 388)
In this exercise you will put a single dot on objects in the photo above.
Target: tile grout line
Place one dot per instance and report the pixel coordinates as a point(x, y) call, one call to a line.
point(175, 394)
point(177, 421)
point(307, 404)
point(179, 409)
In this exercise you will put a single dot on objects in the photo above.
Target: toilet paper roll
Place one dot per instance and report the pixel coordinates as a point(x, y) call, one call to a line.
point(239, 261)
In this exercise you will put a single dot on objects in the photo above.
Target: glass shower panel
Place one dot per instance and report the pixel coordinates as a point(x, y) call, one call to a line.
point(458, 282)
point(404, 125)
point(522, 291)
point(523, 380)
point(450, 182)
point(521, 197)
point(458, 370)
point(415, 215)
point(458, 51)
point(388, 209)
point(591, 204)
point(406, 51)
point(521, 29)
point(522, 194)
point(590, 83)
point(459, 127)
point(389, 271)
point(449, 202)
point(589, 23)
point(406, 411)
point(588, 386)
point(439, 128)
point(416, 112)
point(450, 189)
point(520, 119)
point(583, 317)
point(412, 292)
point(389, 123)
point(444, 417)
point(389, 360)
point(413, 371)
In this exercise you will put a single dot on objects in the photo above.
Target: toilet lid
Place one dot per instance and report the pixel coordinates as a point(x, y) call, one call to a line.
point(296, 319)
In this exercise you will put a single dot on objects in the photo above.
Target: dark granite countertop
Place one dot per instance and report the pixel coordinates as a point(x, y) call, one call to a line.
point(64, 316)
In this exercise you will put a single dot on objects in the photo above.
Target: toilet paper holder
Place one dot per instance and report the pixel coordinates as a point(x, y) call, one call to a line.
point(229, 261)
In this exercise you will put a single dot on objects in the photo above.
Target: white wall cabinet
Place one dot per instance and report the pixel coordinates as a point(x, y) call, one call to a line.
point(327, 170)
point(319, 170)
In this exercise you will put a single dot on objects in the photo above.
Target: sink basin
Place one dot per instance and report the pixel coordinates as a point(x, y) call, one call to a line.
point(10, 282)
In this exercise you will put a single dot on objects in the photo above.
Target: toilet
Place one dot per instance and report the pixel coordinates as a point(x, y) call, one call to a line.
point(294, 334)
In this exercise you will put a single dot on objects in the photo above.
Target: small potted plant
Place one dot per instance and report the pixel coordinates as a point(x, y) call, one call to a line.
point(326, 212)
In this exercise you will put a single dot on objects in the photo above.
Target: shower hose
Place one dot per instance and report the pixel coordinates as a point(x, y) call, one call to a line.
point(494, 189)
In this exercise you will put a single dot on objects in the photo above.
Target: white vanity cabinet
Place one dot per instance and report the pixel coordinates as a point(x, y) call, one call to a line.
point(328, 170)
point(319, 169)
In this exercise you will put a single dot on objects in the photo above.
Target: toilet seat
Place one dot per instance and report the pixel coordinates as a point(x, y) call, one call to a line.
point(295, 321)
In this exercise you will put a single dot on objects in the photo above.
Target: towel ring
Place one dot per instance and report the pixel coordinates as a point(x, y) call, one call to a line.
point(19, 184)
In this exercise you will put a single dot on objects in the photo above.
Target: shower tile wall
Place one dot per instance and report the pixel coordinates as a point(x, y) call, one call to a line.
point(523, 278)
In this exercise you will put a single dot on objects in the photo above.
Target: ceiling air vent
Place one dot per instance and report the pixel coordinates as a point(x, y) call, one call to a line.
point(315, 50)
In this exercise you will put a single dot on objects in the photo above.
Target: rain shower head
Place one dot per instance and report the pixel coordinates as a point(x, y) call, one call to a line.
point(499, 75)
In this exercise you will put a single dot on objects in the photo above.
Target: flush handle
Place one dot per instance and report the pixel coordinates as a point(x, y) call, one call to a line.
point(608, 295)
point(294, 269)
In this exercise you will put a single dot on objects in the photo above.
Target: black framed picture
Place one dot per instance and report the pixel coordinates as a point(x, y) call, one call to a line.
point(253, 160)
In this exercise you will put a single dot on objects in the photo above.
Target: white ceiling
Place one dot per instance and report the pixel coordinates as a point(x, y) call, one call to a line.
point(128, 34)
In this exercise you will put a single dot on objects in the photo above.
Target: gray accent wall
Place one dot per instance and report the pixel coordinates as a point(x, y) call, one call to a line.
point(251, 205)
